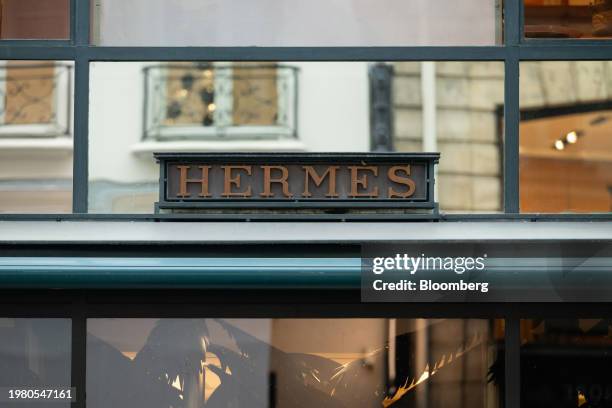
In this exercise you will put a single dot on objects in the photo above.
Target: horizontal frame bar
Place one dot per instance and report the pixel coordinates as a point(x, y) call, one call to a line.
point(229, 273)
point(603, 217)
point(527, 51)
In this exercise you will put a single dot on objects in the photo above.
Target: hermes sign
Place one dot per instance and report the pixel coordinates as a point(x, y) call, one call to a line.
point(315, 180)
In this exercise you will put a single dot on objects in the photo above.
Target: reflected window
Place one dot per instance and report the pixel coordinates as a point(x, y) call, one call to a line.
point(293, 363)
point(573, 19)
point(204, 101)
point(36, 136)
point(565, 363)
point(565, 144)
point(35, 353)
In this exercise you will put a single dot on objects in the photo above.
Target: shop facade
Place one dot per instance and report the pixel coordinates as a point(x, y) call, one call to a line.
point(190, 217)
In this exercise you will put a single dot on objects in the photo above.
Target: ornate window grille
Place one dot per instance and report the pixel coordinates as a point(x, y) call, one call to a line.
point(203, 101)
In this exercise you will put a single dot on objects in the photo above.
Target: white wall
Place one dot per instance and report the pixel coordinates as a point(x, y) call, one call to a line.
point(333, 115)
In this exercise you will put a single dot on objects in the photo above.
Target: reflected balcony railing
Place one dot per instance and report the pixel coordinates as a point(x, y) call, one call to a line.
point(35, 99)
point(206, 101)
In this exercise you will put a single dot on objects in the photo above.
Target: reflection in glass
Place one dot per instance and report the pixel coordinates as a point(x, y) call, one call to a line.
point(296, 22)
point(34, 19)
point(293, 363)
point(36, 136)
point(455, 108)
point(576, 19)
point(35, 353)
point(566, 363)
point(138, 108)
point(565, 144)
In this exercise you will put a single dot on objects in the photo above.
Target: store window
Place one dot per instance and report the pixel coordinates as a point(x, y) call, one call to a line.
point(296, 22)
point(294, 362)
point(34, 19)
point(565, 144)
point(34, 354)
point(572, 19)
point(36, 136)
point(565, 362)
point(455, 108)
point(202, 101)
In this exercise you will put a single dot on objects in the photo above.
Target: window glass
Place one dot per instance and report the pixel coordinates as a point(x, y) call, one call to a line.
point(565, 363)
point(296, 22)
point(294, 362)
point(455, 108)
point(573, 19)
point(35, 354)
point(36, 136)
point(34, 19)
point(565, 144)
point(138, 108)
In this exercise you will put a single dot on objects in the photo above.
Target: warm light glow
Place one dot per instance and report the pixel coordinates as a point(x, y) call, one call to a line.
point(181, 93)
point(212, 107)
point(571, 137)
point(559, 145)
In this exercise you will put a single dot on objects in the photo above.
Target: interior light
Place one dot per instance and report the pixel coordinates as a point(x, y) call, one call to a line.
point(212, 107)
point(571, 137)
point(559, 145)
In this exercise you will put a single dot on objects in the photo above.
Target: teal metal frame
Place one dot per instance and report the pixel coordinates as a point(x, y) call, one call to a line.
point(176, 273)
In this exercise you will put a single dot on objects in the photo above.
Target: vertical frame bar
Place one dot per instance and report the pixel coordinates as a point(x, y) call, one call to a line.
point(79, 352)
point(81, 16)
point(512, 362)
point(81, 108)
point(512, 37)
point(72, 20)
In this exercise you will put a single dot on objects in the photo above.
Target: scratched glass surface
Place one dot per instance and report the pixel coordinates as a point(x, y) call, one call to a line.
point(283, 363)
point(35, 354)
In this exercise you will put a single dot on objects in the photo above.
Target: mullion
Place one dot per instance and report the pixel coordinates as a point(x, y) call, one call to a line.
point(80, 186)
point(80, 171)
point(79, 352)
point(511, 133)
point(512, 362)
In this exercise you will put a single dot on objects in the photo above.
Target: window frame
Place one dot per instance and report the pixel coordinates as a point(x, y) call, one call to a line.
point(514, 49)
point(78, 305)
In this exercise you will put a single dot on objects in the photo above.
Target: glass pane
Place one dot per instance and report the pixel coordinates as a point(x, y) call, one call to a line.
point(34, 19)
point(35, 353)
point(36, 136)
point(138, 108)
point(294, 363)
point(576, 19)
point(296, 22)
point(565, 144)
point(566, 363)
point(455, 108)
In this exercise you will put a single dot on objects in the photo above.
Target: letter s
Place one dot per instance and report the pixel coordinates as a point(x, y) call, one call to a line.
point(396, 178)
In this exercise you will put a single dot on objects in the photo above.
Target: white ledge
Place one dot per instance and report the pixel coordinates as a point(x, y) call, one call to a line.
point(289, 145)
point(61, 145)
point(298, 232)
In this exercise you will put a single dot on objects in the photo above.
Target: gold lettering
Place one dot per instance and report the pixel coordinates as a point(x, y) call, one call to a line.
point(311, 173)
point(184, 180)
point(396, 178)
point(229, 182)
point(358, 183)
point(268, 180)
